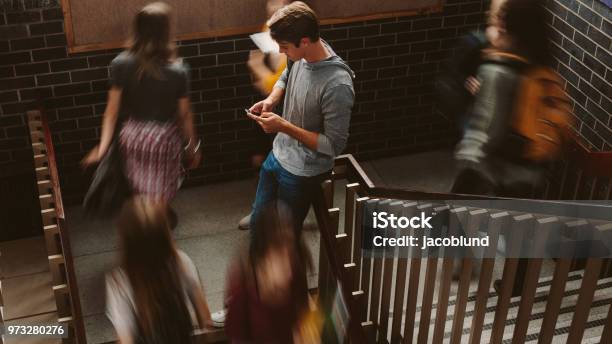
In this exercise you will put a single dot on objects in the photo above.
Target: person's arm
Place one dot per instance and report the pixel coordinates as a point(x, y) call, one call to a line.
point(109, 122)
point(267, 83)
point(275, 97)
point(278, 91)
point(186, 124)
point(309, 138)
point(337, 104)
point(269, 103)
point(201, 307)
point(110, 118)
point(282, 80)
point(336, 107)
point(186, 119)
point(277, 94)
point(118, 310)
point(486, 122)
point(194, 290)
point(118, 80)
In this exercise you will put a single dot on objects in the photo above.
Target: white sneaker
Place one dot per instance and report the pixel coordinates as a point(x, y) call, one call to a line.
point(245, 223)
point(218, 318)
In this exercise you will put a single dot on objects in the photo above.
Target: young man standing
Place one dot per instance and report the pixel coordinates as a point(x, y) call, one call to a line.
point(318, 90)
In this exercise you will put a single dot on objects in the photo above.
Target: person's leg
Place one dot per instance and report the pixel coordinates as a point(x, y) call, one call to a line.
point(257, 161)
point(266, 187)
point(263, 147)
point(297, 192)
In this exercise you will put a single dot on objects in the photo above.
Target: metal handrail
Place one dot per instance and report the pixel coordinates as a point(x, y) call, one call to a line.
point(347, 167)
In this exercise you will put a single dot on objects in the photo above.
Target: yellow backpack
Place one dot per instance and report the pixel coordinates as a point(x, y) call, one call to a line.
point(542, 112)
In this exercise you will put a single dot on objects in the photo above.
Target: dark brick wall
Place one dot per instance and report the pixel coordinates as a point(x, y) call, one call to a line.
point(394, 60)
point(582, 43)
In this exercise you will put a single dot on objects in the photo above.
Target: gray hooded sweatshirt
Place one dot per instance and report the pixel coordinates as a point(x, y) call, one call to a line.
point(318, 97)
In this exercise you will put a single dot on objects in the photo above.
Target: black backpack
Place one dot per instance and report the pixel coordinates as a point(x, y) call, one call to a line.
point(453, 98)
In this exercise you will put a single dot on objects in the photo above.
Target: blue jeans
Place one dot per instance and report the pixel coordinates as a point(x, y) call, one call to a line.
point(276, 183)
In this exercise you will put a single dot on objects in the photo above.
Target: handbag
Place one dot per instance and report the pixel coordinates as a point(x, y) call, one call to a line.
point(109, 187)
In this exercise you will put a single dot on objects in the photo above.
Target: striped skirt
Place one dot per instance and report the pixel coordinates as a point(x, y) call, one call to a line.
point(152, 153)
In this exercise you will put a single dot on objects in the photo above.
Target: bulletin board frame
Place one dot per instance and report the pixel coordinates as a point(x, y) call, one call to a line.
point(73, 47)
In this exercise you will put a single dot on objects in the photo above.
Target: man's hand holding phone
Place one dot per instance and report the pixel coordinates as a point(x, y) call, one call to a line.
point(262, 106)
point(268, 121)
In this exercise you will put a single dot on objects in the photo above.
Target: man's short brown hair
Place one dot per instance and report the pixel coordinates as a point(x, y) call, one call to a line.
point(293, 22)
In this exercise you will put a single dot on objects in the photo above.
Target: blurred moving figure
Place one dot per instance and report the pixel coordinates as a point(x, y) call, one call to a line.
point(149, 85)
point(152, 296)
point(265, 69)
point(457, 84)
point(267, 290)
point(520, 116)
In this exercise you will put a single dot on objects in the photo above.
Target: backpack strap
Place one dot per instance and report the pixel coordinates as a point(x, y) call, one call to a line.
point(507, 59)
point(506, 55)
point(289, 66)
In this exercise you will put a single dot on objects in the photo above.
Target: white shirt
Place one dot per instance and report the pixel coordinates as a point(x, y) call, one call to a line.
point(120, 304)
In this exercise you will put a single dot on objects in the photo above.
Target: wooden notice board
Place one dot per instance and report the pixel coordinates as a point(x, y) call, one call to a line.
point(106, 24)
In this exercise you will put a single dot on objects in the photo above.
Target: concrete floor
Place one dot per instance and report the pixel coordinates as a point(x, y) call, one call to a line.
point(26, 287)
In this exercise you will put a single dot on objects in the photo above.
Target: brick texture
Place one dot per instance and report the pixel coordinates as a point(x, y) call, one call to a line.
point(582, 45)
point(395, 60)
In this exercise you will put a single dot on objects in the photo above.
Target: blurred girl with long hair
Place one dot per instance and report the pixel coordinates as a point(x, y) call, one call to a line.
point(267, 289)
point(151, 296)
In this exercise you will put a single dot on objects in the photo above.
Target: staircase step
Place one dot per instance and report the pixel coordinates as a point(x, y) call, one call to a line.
point(23, 257)
point(27, 295)
point(42, 319)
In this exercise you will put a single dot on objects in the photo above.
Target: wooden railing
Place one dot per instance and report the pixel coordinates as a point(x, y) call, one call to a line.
point(583, 175)
point(56, 235)
point(390, 301)
point(57, 239)
point(336, 270)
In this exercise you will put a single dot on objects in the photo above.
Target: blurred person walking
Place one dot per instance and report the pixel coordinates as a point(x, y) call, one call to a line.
point(457, 85)
point(317, 88)
point(266, 69)
point(520, 117)
point(267, 290)
point(151, 295)
point(149, 87)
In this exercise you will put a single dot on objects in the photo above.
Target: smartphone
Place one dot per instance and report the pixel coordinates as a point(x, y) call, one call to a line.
point(247, 111)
